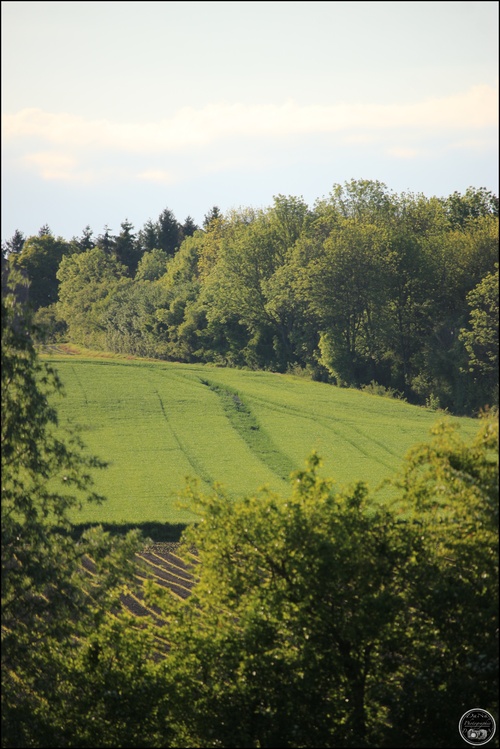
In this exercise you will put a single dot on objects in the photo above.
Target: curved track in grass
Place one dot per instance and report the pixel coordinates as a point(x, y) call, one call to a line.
point(158, 424)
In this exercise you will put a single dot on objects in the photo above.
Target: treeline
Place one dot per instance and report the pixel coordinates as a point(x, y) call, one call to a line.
point(395, 292)
point(323, 618)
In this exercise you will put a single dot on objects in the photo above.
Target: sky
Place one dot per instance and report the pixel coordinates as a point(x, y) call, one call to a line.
point(115, 111)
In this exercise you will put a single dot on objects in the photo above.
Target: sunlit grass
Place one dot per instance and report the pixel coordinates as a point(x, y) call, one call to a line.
point(158, 423)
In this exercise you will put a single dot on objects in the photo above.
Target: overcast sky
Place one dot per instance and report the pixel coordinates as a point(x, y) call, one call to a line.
point(117, 110)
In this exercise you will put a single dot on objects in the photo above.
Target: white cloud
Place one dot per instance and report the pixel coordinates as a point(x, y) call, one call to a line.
point(189, 127)
point(223, 137)
point(63, 167)
point(53, 165)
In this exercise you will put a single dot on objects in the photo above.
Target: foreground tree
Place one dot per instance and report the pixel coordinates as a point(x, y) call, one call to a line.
point(325, 619)
point(50, 603)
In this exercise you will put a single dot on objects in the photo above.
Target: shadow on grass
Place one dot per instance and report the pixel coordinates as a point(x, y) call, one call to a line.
point(159, 532)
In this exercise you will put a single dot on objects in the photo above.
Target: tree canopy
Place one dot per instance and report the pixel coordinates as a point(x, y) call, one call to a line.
point(327, 618)
point(364, 286)
point(50, 602)
point(330, 616)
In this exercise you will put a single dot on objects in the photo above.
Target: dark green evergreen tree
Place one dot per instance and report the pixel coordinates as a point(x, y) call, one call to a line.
point(127, 250)
point(148, 237)
point(106, 242)
point(189, 227)
point(169, 232)
point(14, 245)
point(212, 214)
point(86, 241)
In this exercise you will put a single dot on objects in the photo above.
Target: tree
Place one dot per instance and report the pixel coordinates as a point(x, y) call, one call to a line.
point(169, 232)
point(450, 488)
point(147, 238)
point(106, 242)
point(87, 281)
point(213, 213)
point(473, 204)
point(130, 318)
point(326, 618)
point(481, 339)
point(126, 249)
point(361, 199)
point(152, 265)
point(49, 601)
point(39, 260)
point(85, 242)
point(14, 245)
point(189, 227)
point(344, 286)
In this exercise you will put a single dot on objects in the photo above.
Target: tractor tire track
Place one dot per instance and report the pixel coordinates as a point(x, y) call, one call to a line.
point(243, 421)
point(195, 464)
point(326, 422)
point(80, 385)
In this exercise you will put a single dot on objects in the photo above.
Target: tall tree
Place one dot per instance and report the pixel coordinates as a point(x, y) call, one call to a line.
point(474, 203)
point(14, 245)
point(213, 213)
point(49, 601)
point(126, 248)
point(87, 281)
point(86, 241)
point(189, 227)
point(148, 237)
point(39, 260)
point(481, 340)
point(345, 288)
point(169, 232)
point(106, 241)
point(329, 618)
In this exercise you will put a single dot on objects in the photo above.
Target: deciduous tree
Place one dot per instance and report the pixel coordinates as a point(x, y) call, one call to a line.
point(325, 618)
point(49, 601)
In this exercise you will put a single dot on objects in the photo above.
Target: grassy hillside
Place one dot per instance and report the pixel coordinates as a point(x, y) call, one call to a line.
point(157, 423)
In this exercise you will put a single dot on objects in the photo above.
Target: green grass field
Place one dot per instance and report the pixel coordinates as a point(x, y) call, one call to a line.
point(157, 423)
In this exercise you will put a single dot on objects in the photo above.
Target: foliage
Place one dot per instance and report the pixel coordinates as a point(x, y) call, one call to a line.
point(125, 247)
point(39, 260)
point(49, 326)
point(14, 245)
point(49, 601)
point(152, 265)
point(375, 389)
point(365, 285)
point(86, 281)
point(473, 204)
point(451, 651)
point(169, 232)
point(85, 242)
point(324, 617)
point(321, 619)
point(481, 339)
